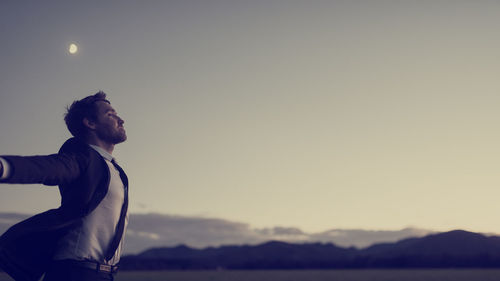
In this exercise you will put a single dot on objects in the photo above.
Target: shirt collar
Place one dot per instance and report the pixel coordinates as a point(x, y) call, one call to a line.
point(106, 155)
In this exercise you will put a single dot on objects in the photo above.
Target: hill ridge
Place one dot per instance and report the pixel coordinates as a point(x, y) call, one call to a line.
point(456, 248)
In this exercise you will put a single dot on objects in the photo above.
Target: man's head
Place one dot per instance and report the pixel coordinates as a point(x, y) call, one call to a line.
point(94, 117)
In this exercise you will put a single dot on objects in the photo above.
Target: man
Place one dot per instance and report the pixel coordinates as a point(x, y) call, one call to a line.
point(80, 240)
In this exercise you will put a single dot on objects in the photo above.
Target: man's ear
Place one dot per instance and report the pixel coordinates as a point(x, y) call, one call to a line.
point(89, 124)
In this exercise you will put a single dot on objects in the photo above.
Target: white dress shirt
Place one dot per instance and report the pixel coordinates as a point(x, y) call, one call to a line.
point(90, 240)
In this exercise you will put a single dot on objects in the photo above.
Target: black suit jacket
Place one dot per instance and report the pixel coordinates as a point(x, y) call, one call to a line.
point(26, 249)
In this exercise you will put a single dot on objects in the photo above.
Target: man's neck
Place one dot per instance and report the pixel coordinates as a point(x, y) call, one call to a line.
point(102, 144)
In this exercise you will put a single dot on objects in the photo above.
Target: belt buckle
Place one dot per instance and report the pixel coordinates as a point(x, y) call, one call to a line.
point(105, 268)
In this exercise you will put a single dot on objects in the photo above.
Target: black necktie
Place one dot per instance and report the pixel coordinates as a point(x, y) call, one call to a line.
point(120, 227)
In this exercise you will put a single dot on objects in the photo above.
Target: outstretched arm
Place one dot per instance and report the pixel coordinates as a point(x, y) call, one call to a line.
point(54, 169)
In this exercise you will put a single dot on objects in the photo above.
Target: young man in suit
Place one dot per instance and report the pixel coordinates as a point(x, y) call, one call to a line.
point(82, 239)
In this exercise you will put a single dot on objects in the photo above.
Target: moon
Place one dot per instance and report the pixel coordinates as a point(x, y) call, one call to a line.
point(73, 48)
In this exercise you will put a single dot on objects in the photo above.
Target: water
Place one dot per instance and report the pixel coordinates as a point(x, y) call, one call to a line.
point(316, 275)
point(309, 275)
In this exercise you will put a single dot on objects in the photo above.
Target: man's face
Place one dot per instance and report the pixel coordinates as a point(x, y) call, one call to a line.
point(109, 127)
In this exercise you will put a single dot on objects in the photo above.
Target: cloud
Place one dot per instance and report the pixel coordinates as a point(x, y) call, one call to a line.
point(364, 238)
point(8, 219)
point(168, 230)
point(159, 230)
point(172, 230)
point(142, 234)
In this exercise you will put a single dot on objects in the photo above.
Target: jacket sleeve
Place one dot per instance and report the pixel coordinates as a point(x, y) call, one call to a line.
point(54, 169)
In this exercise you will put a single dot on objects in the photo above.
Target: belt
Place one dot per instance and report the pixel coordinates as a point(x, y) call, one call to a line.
point(99, 267)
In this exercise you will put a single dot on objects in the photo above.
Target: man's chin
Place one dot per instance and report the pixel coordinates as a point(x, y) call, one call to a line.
point(120, 140)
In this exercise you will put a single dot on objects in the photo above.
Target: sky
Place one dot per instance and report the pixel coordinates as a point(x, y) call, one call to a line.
point(310, 114)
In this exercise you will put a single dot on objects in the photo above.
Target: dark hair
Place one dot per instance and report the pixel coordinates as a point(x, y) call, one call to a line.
point(80, 109)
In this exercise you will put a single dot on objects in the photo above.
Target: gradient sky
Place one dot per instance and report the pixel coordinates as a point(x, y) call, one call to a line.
point(310, 114)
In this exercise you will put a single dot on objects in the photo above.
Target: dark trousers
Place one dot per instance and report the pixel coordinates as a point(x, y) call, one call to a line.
point(71, 272)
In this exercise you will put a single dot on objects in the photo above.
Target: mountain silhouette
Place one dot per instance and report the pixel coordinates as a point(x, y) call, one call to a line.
point(456, 248)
